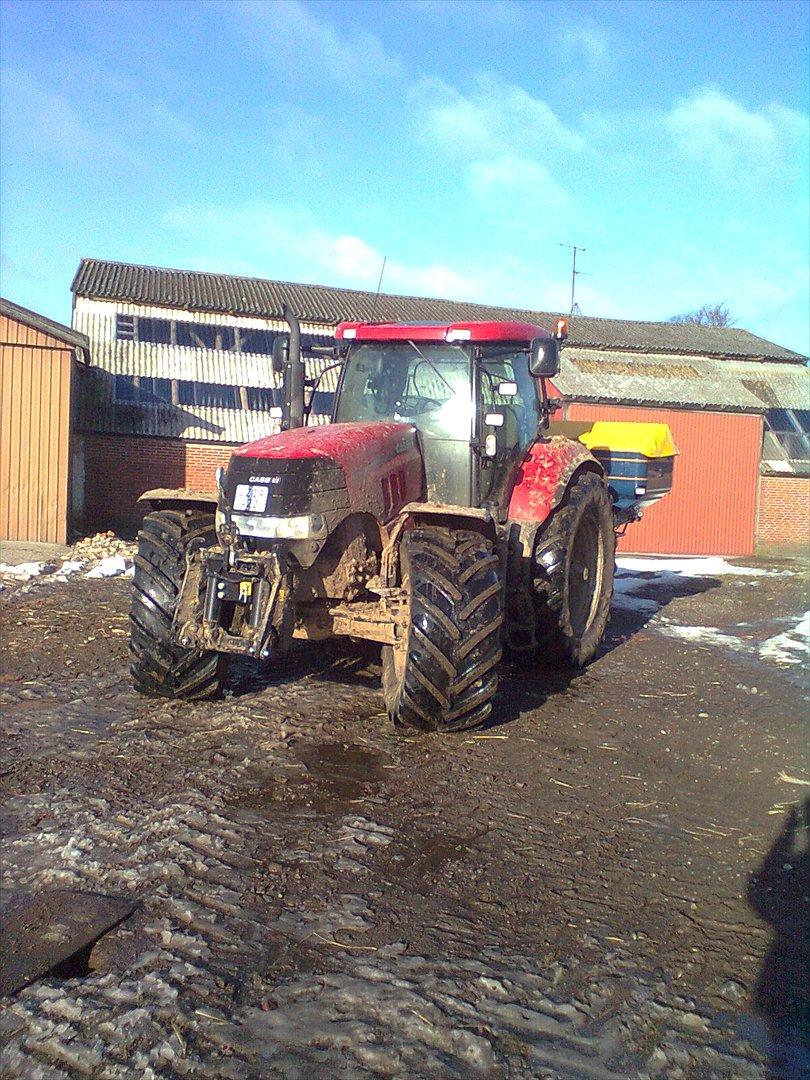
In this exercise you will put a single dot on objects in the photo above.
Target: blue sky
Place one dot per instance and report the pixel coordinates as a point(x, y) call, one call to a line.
point(464, 141)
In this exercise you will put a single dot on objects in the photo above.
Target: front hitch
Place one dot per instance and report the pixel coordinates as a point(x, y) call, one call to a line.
point(247, 604)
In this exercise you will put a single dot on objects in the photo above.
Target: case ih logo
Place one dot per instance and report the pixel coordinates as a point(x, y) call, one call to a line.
point(264, 479)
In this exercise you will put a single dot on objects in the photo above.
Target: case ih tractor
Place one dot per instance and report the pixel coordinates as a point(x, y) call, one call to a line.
point(436, 515)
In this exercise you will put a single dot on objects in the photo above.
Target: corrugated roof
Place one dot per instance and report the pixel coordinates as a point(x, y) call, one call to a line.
point(44, 324)
point(197, 291)
point(664, 379)
point(782, 386)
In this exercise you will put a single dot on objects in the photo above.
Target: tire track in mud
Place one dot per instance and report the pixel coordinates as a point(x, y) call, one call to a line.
point(196, 991)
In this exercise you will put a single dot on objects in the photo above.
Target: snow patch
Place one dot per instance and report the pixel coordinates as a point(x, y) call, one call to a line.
point(72, 566)
point(790, 647)
point(26, 571)
point(702, 635)
point(624, 585)
point(112, 566)
point(635, 573)
point(692, 566)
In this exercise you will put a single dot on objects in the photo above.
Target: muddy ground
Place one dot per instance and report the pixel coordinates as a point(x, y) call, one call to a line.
point(610, 881)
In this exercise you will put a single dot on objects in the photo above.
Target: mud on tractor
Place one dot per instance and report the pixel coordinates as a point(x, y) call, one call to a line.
point(440, 514)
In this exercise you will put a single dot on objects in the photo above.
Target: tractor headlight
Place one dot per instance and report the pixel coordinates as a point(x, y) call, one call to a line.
point(303, 527)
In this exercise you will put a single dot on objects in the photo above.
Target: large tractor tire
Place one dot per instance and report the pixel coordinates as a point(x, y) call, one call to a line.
point(160, 667)
point(444, 674)
point(574, 559)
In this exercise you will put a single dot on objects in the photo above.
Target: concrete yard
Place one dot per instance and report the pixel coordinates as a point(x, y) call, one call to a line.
point(610, 881)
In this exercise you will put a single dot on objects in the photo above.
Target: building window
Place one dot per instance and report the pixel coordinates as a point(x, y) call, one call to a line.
point(155, 391)
point(256, 341)
point(149, 390)
point(198, 335)
point(790, 434)
point(209, 395)
point(143, 390)
point(155, 331)
point(262, 398)
point(125, 388)
point(125, 327)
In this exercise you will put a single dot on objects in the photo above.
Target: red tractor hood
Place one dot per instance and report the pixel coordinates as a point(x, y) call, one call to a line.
point(381, 461)
point(349, 445)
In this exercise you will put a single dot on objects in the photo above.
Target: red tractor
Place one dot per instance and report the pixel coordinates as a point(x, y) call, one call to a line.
point(435, 515)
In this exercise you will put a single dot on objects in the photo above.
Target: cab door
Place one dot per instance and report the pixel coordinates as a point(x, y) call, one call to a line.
point(509, 410)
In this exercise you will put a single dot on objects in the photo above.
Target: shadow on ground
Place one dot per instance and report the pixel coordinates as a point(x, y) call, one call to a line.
point(779, 892)
point(524, 686)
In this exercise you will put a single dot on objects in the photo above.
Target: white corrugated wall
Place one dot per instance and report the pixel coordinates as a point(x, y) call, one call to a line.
point(99, 411)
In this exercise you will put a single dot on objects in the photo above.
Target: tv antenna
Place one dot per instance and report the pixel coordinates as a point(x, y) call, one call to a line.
point(574, 272)
point(379, 286)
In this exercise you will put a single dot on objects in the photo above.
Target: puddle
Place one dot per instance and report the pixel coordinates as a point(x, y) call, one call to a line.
point(340, 773)
point(329, 778)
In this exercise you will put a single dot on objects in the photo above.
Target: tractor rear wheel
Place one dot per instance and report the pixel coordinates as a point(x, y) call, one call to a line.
point(443, 675)
point(574, 557)
point(160, 667)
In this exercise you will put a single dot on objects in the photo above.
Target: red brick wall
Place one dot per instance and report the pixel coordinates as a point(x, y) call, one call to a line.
point(783, 518)
point(119, 468)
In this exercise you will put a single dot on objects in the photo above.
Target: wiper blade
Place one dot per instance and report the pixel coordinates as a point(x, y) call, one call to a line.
point(427, 360)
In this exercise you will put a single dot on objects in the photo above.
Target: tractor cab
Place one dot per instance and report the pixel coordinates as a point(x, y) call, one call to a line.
point(475, 393)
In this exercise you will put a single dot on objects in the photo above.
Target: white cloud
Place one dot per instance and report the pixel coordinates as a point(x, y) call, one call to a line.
point(494, 119)
point(352, 261)
point(713, 128)
point(521, 178)
point(47, 122)
point(271, 241)
point(307, 43)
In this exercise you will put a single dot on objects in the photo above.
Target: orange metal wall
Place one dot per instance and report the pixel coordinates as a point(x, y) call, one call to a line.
point(712, 507)
point(35, 402)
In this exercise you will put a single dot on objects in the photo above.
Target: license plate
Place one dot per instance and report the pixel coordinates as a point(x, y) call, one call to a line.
point(251, 497)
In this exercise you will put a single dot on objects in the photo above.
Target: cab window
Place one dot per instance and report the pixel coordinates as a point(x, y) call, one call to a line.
point(508, 389)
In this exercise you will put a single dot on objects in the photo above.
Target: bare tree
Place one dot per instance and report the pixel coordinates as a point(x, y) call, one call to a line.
point(708, 315)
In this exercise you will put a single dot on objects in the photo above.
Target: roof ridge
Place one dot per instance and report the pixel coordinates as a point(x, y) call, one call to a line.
point(691, 336)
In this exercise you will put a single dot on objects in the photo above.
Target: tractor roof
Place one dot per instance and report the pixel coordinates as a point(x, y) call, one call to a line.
point(520, 332)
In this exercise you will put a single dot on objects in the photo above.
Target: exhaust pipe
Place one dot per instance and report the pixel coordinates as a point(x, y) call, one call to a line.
point(293, 414)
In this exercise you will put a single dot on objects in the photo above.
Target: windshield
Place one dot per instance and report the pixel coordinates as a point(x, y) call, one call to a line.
point(426, 384)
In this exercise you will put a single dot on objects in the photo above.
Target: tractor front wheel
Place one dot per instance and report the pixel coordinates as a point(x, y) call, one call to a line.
point(443, 675)
point(160, 667)
point(574, 557)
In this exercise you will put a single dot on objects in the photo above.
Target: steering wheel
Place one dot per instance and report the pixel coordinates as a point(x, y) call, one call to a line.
point(414, 404)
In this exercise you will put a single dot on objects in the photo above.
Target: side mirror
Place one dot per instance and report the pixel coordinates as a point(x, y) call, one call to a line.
point(281, 353)
point(544, 357)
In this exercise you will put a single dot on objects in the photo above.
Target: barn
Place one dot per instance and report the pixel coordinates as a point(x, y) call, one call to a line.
point(40, 466)
point(181, 374)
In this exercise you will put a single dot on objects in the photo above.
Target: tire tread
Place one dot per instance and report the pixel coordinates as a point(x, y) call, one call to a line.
point(449, 675)
point(160, 667)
